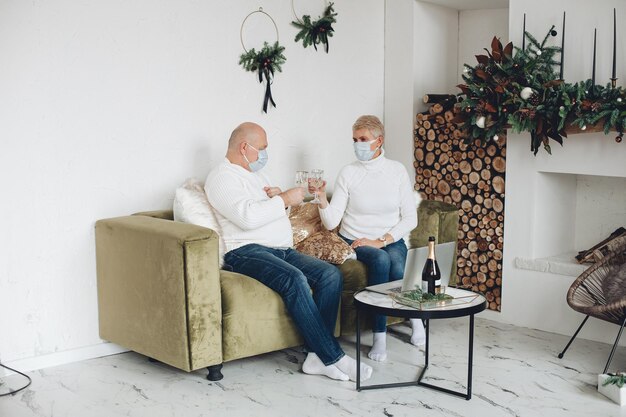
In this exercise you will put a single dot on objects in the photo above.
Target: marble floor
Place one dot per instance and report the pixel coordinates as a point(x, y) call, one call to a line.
point(516, 373)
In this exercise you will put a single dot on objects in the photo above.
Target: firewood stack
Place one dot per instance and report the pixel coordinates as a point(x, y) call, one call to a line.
point(472, 178)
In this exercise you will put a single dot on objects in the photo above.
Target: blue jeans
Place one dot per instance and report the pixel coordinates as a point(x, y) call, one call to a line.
point(383, 265)
point(293, 275)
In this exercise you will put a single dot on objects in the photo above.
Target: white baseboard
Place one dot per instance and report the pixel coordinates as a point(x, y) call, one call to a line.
point(61, 358)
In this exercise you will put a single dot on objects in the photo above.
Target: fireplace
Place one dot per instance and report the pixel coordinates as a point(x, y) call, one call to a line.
point(573, 211)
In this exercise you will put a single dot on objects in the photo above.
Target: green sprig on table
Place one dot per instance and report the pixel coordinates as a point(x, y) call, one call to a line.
point(418, 295)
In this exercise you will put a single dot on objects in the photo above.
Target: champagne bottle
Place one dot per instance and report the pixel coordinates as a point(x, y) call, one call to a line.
point(431, 274)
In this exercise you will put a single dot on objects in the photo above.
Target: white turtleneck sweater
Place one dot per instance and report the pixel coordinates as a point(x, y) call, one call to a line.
point(370, 199)
point(244, 211)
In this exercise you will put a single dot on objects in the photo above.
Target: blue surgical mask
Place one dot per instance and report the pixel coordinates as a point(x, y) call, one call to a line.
point(260, 162)
point(362, 150)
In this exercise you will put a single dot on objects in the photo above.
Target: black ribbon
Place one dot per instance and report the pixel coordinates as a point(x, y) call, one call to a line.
point(267, 73)
point(322, 37)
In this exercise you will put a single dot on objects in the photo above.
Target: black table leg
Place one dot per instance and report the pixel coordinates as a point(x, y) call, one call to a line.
point(468, 394)
point(427, 329)
point(358, 352)
point(470, 359)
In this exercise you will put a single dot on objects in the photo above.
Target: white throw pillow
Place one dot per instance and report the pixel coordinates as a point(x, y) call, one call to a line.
point(191, 206)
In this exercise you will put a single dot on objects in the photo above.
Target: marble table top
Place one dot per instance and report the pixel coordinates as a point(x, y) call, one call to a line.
point(466, 300)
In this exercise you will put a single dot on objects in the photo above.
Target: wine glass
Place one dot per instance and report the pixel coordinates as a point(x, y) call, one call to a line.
point(302, 178)
point(316, 181)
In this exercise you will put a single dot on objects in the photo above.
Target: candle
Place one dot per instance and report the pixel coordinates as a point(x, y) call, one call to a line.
point(614, 44)
point(562, 48)
point(593, 71)
point(524, 34)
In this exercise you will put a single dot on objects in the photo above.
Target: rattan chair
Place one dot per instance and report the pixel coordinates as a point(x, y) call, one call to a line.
point(597, 293)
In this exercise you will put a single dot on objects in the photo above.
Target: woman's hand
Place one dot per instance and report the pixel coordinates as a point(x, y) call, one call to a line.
point(367, 242)
point(319, 190)
point(321, 194)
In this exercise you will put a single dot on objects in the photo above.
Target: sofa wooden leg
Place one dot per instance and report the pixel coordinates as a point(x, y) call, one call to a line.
point(215, 372)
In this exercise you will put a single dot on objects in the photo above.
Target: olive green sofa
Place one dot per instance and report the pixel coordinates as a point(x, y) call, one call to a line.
point(161, 292)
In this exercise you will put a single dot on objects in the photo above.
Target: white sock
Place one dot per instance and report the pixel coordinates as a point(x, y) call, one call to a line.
point(379, 347)
point(418, 338)
point(313, 365)
point(347, 365)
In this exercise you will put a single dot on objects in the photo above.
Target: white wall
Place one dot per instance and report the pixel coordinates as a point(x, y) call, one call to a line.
point(531, 298)
point(435, 52)
point(421, 46)
point(600, 208)
point(399, 78)
point(108, 106)
point(426, 45)
point(476, 30)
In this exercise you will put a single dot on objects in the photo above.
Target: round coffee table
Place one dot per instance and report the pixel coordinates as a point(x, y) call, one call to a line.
point(466, 303)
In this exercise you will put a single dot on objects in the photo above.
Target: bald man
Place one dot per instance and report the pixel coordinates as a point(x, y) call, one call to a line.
point(258, 238)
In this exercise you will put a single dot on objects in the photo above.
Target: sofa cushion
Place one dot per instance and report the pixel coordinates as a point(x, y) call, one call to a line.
point(311, 238)
point(192, 206)
point(254, 318)
point(327, 246)
point(305, 221)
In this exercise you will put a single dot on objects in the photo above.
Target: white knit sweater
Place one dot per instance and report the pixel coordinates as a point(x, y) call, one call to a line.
point(244, 211)
point(370, 199)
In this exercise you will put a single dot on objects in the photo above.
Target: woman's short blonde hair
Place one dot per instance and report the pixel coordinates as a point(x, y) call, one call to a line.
point(371, 123)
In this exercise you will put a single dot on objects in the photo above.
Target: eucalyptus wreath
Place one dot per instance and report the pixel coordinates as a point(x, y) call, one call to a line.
point(318, 31)
point(266, 62)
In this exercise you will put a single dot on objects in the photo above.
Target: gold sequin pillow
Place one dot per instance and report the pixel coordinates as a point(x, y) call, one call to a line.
point(327, 246)
point(305, 221)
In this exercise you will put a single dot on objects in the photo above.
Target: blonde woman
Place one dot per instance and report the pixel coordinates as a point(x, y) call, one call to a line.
point(374, 202)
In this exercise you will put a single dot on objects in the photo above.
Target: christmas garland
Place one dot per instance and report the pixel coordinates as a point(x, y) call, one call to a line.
point(266, 62)
point(313, 33)
point(523, 92)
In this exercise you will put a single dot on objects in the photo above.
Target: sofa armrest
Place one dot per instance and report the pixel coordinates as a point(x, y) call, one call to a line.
point(159, 290)
point(439, 219)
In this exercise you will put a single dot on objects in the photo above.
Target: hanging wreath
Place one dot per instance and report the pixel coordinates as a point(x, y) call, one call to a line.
point(318, 31)
point(265, 62)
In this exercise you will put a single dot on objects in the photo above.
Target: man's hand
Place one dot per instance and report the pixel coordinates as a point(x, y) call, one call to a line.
point(272, 191)
point(293, 196)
